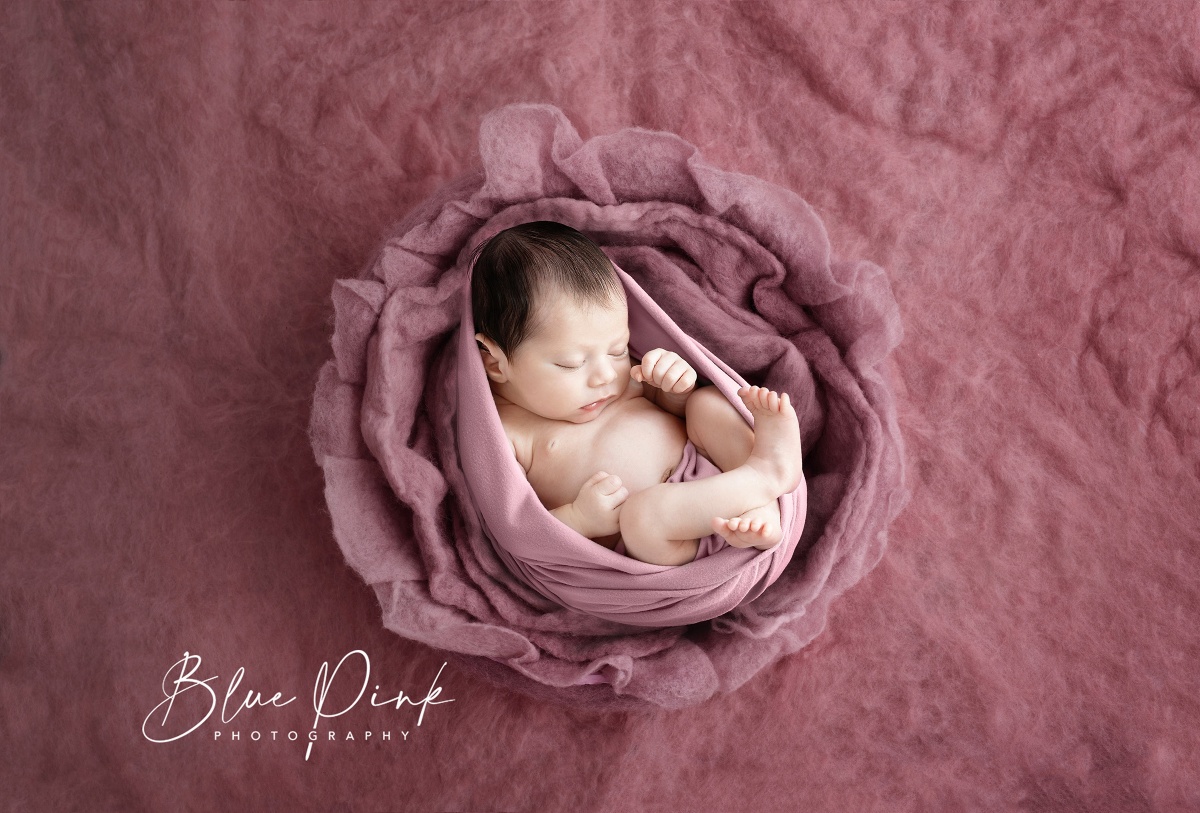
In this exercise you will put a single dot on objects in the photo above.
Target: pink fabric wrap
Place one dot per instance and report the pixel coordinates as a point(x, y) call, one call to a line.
point(693, 466)
point(745, 270)
point(571, 569)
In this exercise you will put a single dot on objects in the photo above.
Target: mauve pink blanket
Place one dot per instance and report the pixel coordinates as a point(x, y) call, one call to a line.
point(744, 267)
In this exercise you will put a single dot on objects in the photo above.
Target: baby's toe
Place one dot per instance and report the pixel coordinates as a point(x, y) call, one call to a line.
point(752, 397)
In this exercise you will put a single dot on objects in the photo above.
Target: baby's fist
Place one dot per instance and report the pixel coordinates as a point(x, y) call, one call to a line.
point(598, 503)
point(665, 370)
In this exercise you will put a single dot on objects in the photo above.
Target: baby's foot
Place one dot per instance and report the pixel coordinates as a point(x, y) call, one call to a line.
point(776, 453)
point(757, 528)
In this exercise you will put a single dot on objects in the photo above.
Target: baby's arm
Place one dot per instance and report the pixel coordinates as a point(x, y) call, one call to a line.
point(667, 380)
point(596, 511)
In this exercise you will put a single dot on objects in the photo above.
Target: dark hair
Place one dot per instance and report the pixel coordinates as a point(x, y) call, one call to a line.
point(513, 268)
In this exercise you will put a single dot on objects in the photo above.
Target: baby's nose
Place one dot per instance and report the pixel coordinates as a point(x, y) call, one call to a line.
point(603, 373)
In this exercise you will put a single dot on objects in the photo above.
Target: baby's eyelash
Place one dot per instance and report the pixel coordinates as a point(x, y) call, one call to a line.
point(622, 354)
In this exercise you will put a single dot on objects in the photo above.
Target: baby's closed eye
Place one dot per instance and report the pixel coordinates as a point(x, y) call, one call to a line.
point(579, 365)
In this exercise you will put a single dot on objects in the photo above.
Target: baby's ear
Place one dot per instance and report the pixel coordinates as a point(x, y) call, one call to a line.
point(494, 361)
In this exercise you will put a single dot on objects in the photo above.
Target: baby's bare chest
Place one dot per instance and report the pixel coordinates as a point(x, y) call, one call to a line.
point(633, 439)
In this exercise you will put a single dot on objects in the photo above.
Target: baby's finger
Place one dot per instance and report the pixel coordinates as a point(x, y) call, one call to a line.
point(610, 484)
point(619, 496)
point(595, 478)
point(676, 378)
point(647, 368)
point(660, 362)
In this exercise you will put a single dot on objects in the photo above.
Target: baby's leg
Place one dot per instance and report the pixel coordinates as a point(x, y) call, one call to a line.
point(717, 429)
point(660, 525)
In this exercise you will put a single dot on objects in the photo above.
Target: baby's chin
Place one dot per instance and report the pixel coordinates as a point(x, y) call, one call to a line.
point(574, 417)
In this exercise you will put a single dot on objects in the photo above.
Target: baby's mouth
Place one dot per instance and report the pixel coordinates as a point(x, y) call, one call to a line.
point(596, 404)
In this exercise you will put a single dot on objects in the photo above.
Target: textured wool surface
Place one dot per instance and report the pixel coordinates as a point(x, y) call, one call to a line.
point(182, 185)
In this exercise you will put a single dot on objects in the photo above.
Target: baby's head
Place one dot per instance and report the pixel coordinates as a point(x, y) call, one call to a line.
point(551, 320)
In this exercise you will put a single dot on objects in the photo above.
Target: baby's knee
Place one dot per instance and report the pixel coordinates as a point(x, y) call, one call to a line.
point(645, 534)
point(705, 402)
point(704, 409)
point(708, 413)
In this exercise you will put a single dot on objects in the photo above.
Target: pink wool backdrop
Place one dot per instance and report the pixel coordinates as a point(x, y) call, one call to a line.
point(182, 185)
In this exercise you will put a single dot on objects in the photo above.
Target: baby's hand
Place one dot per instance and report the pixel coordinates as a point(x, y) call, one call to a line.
point(598, 503)
point(666, 371)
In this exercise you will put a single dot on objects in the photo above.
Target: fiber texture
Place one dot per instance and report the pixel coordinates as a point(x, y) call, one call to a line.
point(741, 264)
point(181, 186)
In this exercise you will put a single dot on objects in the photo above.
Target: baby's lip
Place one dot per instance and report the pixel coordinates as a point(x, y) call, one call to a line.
point(598, 401)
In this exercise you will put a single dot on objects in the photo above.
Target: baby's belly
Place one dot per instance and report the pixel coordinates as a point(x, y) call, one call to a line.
point(643, 457)
point(641, 444)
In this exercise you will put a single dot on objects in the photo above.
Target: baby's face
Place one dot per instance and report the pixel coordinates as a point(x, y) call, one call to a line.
point(578, 356)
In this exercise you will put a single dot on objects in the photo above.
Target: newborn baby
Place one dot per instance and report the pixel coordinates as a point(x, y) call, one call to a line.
point(599, 434)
